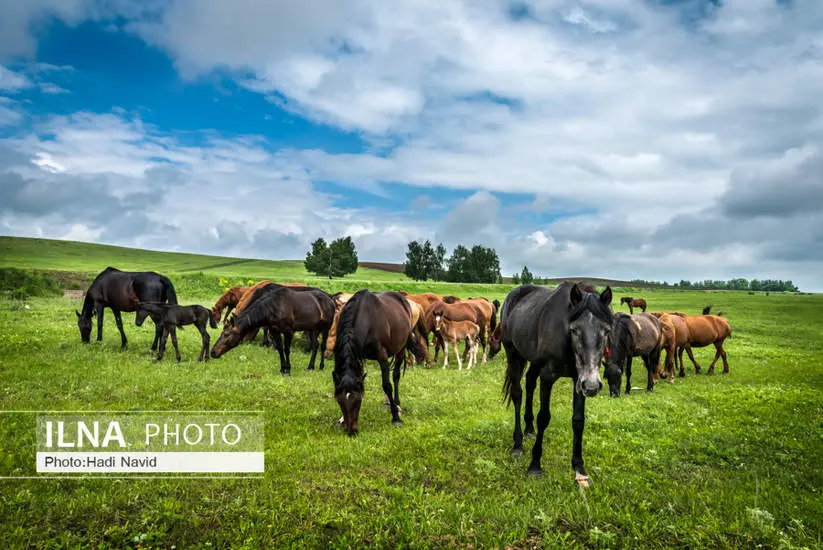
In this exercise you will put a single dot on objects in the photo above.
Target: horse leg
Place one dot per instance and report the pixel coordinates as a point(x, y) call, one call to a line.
point(484, 331)
point(670, 357)
point(287, 338)
point(465, 348)
point(396, 375)
point(456, 345)
point(99, 309)
point(543, 418)
point(325, 336)
point(720, 352)
point(691, 356)
point(204, 353)
point(161, 349)
point(119, 321)
point(651, 364)
point(174, 341)
point(266, 340)
point(679, 357)
point(531, 383)
point(158, 332)
point(446, 356)
point(723, 355)
point(628, 375)
point(313, 339)
point(578, 424)
point(387, 390)
point(278, 345)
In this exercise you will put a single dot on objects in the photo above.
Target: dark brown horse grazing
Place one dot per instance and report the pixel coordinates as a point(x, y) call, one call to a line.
point(122, 291)
point(638, 335)
point(633, 303)
point(171, 316)
point(562, 333)
point(377, 326)
point(284, 311)
point(227, 302)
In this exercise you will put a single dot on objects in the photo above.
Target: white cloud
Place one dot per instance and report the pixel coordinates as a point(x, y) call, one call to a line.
point(614, 108)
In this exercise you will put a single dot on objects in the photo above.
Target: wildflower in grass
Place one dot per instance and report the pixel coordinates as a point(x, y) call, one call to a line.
point(250, 282)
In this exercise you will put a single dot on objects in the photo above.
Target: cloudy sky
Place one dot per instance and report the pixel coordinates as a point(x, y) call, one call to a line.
point(654, 139)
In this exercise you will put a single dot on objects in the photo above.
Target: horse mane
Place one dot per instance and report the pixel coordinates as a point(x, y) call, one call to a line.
point(621, 339)
point(348, 353)
point(256, 312)
point(591, 302)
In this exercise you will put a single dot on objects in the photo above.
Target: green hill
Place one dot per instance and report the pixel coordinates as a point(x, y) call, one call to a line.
point(54, 255)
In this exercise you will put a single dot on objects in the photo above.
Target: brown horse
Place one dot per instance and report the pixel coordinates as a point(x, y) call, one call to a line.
point(705, 330)
point(284, 311)
point(227, 302)
point(681, 338)
point(377, 326)
point(425, 300)
point(669, 343)
point(633, 303)
point(632, 336)
point(461, 311)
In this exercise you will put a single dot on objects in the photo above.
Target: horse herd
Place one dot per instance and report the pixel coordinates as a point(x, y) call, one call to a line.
point(569, 331)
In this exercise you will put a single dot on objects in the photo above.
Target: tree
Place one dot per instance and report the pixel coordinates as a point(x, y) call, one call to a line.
point(526, 276)
point(439, 259)
point(458, 265)
point(415, 267)
point(516, 279)
point(335, 260)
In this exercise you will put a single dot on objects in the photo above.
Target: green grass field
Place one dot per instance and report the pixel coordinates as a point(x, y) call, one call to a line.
point(709, 462)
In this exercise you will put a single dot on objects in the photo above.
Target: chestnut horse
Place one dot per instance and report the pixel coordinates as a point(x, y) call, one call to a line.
point(425, 300)
point(377, 326)
point(705, 330)
point(227, 301)
point(632, 303)
point(461, 311)
point(669, 343)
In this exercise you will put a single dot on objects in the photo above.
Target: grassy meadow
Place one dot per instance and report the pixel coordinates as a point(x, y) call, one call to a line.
point(723, 461)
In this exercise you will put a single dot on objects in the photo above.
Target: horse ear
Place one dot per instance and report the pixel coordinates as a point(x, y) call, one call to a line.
point(606, 296)
point(576, 294)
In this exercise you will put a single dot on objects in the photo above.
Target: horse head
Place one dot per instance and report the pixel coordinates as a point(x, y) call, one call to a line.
point(84, 324)
point(229, 338)
point(590, 324)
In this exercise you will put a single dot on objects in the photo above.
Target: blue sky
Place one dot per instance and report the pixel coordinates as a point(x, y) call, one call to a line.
point(632, 139)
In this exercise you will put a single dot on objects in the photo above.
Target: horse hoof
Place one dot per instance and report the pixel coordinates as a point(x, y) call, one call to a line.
point(535, 472)
point(725, 372)
point(582, 480)
point(397, 422)
point(285, 373)
point(529, 435)
point(517, 452)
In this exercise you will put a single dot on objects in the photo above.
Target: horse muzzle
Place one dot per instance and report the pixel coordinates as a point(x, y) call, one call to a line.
point(589, 387)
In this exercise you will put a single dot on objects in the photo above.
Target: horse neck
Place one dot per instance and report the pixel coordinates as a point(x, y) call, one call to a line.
point(88, 306)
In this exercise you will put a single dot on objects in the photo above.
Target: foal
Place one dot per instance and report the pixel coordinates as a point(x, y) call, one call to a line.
point(173, 316)
point(455, 331)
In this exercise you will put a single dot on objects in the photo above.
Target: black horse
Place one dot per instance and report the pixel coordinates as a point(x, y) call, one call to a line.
point(123, 291)
point(282, 311)
point(377, 326)
point(171, 316)
point(562, 333)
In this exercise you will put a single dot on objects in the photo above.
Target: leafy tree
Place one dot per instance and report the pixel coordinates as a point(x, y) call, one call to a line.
point(458, 265)
point(335, 260)
point(516, 279)
point(755, 285)
point(526, 276)
point(438, 274)
point(415, 266)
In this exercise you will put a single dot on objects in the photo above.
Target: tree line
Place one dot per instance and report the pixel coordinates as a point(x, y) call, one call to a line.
point(755, 285)
point(476, 265)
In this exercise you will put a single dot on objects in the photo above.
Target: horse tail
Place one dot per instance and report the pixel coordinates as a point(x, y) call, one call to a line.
point(513, 376)
point(170, 293)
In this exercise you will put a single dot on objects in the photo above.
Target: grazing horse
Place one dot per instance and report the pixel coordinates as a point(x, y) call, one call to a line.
point(668, 343)
point(461, 311)
point(171, 316)
point(705, 330)
point(122, 291)
point(228, 301)
point(562, 333)
point(632, 336)
point(284, 311)
point(377, 326)
point(633, 303)
point(455, 331)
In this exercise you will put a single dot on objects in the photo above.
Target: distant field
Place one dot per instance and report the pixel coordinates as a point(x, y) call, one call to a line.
point(57, 255)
